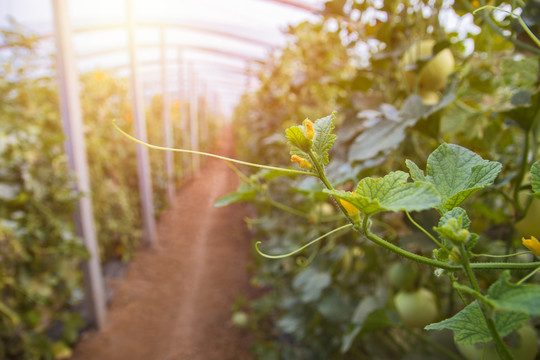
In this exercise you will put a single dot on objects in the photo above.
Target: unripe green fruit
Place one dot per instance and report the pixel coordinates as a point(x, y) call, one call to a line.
point(430, 98)
point(324, 209)
point(434, 74)
point(418, 50)
point(240, 319)
point(416, 308)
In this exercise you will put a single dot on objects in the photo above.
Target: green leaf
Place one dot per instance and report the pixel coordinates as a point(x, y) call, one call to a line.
point(289, 323)
point(322, 142)
point(454, 227)
point(334, 306)
point(506, 296)
point(535, 179)
point(512, 304)
point(297, 138)
point(324, 139)
point(311, 283)
point(457, 173)
point(526, 114)
point(469, 325)
point(243, 193)
point(377, 319)
point(390, 193)
point(460, 215)
point(416, 173)
point(382, 132)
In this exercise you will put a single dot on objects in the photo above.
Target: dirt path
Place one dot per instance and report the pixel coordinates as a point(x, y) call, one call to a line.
point(175, 301)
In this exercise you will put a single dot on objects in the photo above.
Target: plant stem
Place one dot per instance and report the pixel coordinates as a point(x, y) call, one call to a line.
point(504, 266)
point(406, 254)
point(519, 178)
point(500, 346)
point(319, 168)
point(396, 249)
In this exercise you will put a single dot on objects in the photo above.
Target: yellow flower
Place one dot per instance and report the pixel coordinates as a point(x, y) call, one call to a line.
point(303, 163)
point(310, 132)
point(532, 244)
point(351, 209)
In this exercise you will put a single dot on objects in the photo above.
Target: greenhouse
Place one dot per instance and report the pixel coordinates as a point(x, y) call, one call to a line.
point(269, 179)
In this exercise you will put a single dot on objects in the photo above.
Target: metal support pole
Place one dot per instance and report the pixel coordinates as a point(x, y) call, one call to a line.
point(143, 161)
point(70, 108)
point(203, 110)
point(167, 129)
point(193, 118)
point(184, 114)
point(215, 109)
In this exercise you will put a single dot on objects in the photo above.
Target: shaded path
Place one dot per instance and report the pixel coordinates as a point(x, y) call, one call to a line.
point(175, 302)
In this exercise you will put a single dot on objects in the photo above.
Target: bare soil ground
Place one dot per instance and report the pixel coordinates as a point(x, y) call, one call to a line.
point(175, 300)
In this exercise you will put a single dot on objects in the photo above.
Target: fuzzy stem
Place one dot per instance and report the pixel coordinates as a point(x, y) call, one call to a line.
point(406, 254)
point(319, 168)
point(500, 346)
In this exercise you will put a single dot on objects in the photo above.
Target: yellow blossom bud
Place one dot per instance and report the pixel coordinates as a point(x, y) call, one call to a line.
point(532, 244)
point(351, 209)
point(454, 255)
point(303, 163)
point(310, 132)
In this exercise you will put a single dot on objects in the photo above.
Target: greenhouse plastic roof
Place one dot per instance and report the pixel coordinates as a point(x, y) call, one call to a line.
point(219, 40)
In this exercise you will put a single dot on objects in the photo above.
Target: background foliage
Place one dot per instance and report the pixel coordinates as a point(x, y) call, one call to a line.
point(40, 254)
point(337, 301)
point(39, 251)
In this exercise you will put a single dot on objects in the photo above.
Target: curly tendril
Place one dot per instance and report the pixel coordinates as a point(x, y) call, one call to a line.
point(301, 248)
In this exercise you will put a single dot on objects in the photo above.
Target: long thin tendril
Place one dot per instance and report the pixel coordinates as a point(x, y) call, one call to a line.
point(284, 170)
point(301, 248)
point(424, 231)
point(453, 280)
point(526, 277)
point(501, 256)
